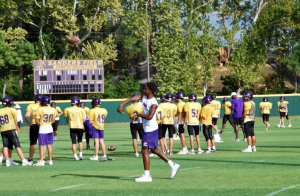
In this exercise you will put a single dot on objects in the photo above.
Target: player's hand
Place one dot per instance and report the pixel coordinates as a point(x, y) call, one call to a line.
point(243, 125)
point(184, 126)
point(17, 129)
point(120, 109)
point(133, 119)
point(22, 122)
point(176, 126)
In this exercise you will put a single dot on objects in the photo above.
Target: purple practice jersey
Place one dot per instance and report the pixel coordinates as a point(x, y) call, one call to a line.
point(237, 105)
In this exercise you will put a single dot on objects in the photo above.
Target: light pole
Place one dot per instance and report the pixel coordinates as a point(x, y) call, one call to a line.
point(147, 45)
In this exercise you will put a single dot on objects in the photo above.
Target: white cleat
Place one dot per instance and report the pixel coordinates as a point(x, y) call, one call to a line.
point(245, 139)
point(176, 138)
point(290, 125)
point(269, 126)
point(136, 155)
point(144, 178)
point(138, 139)
point(236, 140)
point(76, 159)
point(207, 152)
point(152, 155)
point(83, 140)
point(14, 163)
point(267, 129)
point(200, 151)
point(278, 126)
point(8, 164)
point(94, 158)
point(80, 158)
point(191, 152)
point(282, 126)
point(55, 138)
point(174, 170)
point(247, 150)
point(50, 162)
point(182, 152)
point(39, 163)
point(253, 149)
point(25, 163)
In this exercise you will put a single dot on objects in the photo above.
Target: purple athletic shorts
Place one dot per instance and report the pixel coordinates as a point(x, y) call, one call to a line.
point(150, 139)
point(45, 138)
point(98, 134)
point(88, 127)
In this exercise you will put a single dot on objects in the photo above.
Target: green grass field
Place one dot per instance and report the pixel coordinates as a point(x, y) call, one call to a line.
point(275, 166)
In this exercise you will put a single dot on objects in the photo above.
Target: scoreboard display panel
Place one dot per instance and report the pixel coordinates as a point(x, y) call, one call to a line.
point(68, 76)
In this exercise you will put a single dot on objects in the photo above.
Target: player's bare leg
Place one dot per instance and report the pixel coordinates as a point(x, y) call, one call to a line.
point(55, 133)
point(244, 132)
point(102, 146)
point(50, 151)
point(5, 153)
point(215, 128)
point(208, 143)
point(42, 152)
point(80, 146)
point(192, 141)
point(171, 141)
point(160, 154)
point(87, 139)
point(223, 127)
point(182, 139)
point(20, 153)
point(237, 131)
point(161, 142)
point(146, 159)
point(31, 151)
point(134, 144)
point(164, 143)
point(198, 141)
point(74, 148)
point(96, 146)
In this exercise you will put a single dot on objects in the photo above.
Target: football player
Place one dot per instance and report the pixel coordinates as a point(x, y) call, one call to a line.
point(175, 132)
point(159, 113)
point(180, 122)
point(137, 124)
point(248, 121)
point(75, 118)
point(150, 138)
point(34, 128)
point(227, 113)
point(206, 121)
point(283, 112)
point(216, 109)
point(97, 117)
point(265, 108)
point(192, 110)
point(44, 118)
point(55, 125)
point(169, 111)
point(9, 127)
point(237, 109)
point(86, 118)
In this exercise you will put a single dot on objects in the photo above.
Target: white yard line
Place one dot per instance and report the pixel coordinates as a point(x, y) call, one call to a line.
point(191, 168)
point(127, 177)
point(258, 161)
point(67, 187)
point(283, 190)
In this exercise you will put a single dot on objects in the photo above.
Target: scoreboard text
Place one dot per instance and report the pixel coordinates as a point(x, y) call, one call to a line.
point(68, 76)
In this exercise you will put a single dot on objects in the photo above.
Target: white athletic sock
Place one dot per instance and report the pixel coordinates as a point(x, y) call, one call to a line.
point(185, 148)
point(1, 159)
point(199, 149)
point(192, 150)
point(7, 162)
point(10, 159)
point(104, 155)
point(24, 160)
point(80, 154)
point(213, 147)
point(171, 164)
point(75, 155)
point(208, 148)
point(147, 173)
point(253, 146)
point(249, 147)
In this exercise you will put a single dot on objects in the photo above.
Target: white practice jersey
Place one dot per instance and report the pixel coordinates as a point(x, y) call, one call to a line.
point(149, 125)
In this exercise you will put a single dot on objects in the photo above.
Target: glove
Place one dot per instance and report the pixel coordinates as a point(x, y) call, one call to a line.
point(200, 128)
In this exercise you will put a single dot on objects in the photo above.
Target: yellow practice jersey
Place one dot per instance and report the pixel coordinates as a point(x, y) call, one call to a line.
point(97, 115)
point(32, 109)
point(206, 114)
point(216, 106)
point(66, 111)
point(58, 110)
point(227, 107)
point(180, 108)
point(76, 116)
point(7, 118)
point(169, 111)
point(250, 107)
point(193, 109)
point(86, 110)
point(265, 107)
point(282, 106)
point(134, 109)
point(45, 114)
point(159, 111)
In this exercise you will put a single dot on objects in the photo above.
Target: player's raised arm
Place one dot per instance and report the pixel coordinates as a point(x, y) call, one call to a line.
point(150, 115)
point(135, 98)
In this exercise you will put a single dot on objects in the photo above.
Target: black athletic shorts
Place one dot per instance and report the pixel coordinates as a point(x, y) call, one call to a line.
point(180, 129)
point(192, 129)
point(237, 121)
point(282, 114)
point(265, 117)
point(214, 121)
point(74, 133)
point(207, 132)
point(170, 129)
point(10, 138)
point(33, 134)
point(249, 128)
point(19, 124)
point(55, 125)
point(159, 131)
point(287, 116)
point(137, 128)
point(227, 117)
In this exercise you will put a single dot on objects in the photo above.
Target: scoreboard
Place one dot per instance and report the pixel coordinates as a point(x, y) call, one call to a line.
point(68, 76)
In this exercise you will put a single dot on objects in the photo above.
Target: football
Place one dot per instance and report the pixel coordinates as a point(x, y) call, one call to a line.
point(112, 148)
point(72, 39)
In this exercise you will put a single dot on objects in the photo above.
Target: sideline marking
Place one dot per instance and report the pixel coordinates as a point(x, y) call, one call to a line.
point(67, 187)
point(127, 177)
point(282, 190)
point(190, 168)
point(258, 161)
